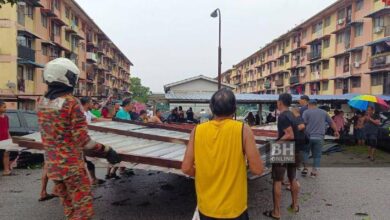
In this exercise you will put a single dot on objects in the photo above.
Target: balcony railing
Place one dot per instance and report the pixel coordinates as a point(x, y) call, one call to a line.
point(279, 82)
point(294, 79)
point(314, 55)
point(92, 57)
point(26, 53)
point(380, 61)
point(267, 84)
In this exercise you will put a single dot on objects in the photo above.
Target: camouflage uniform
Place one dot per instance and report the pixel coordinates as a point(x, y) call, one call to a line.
point(64, 134)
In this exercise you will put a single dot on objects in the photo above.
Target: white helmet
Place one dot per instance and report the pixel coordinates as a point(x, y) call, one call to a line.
point(61, 70)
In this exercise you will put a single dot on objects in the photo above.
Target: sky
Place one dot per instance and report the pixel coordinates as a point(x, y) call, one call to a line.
point(171, 40)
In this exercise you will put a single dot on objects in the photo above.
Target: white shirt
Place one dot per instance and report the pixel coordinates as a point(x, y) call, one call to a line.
point(89, 116)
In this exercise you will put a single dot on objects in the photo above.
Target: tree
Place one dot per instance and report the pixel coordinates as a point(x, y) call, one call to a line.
point(2, 2)
point(140, 92)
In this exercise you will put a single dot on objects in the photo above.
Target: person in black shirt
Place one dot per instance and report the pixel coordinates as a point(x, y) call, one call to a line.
point(371, 129)
point(286, 132)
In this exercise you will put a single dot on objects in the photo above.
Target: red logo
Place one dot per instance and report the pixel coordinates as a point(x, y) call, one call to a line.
point(387, 2)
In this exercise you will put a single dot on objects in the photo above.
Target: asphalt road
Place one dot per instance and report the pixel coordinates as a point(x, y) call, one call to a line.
point(338, 193)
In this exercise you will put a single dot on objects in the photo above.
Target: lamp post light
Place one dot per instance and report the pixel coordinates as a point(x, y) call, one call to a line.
point(217, 13)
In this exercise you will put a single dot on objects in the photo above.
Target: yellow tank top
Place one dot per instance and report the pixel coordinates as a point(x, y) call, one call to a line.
point(220, 177)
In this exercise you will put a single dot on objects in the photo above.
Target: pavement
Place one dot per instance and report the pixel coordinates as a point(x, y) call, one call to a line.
point(337, 193)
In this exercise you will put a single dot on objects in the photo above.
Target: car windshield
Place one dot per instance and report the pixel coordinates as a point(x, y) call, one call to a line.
point(31, 120)
point(14, 121)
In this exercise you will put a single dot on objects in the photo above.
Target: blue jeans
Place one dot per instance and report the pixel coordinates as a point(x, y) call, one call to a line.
point(315, 146)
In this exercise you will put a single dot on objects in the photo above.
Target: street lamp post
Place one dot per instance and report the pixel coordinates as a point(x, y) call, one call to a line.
point(217, 13)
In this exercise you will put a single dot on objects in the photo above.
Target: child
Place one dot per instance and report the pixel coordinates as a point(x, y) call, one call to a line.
point(4, 135)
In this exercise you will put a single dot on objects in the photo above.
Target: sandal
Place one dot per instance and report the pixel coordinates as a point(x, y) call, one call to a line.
point(292, 210)
point(46, 198)
point(313, 175)
point(269, 215)
point(304, 171)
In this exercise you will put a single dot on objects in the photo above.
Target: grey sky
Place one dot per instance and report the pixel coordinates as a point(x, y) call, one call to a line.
point(170, 40)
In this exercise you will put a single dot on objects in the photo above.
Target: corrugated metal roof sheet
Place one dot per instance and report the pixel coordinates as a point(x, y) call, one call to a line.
point(141, 147)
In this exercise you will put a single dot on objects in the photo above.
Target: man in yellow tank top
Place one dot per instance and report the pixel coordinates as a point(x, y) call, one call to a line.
point(216, 156)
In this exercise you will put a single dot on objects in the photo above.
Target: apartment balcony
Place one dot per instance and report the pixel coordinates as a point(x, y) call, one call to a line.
point(26, 53)
point(380, 61)
point(314, 55)
point(294, 79)
point(279, 82)
point(92, 57)
point(267, 84)
point(315, 75)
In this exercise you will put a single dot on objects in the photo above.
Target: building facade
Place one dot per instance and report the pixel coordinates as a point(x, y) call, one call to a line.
point(343, 49)
point(34, 32)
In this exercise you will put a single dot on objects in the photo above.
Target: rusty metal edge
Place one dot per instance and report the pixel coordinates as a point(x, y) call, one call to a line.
point(153, 125)
point(139, 135)
point(154, 161)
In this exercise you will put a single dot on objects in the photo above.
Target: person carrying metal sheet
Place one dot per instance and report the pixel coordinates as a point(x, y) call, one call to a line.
point(64, 132)
point(217, 155)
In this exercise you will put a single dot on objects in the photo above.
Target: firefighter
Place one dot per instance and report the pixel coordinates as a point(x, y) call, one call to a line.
point(63, 128)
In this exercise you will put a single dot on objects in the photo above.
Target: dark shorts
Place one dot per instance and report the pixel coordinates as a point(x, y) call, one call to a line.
point(359, 134)
point(243, 216)
point(372, 140)
point(279, 169)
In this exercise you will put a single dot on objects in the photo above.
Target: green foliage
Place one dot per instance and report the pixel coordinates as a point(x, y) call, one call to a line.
point(12, 2)
point(139, 92)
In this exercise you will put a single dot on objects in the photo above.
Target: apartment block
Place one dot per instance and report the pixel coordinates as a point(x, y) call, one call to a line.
point(34, 32)
point(345, 48)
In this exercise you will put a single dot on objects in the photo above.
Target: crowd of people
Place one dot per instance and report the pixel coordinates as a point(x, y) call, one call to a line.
point(221, 186)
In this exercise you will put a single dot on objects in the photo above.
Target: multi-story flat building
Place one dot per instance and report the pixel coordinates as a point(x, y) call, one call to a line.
point(34, 32)
point(343, 49)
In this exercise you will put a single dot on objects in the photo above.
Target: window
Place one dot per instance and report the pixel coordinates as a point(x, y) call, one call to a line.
point(56, 4)
point(325, 85)
point(339, 61)
point(76, 21)
point(358, 30)
point(67, 13)
point(24, 41)
point(341, 14)
point(67, 35)
point(29, 74)
point(376, 79)
point(325, 65)
point(340, 37)
point(326, 43)
point(304, 34)
point(30, 11)
point(44, 20)
point(356, 82)
point(358, 56)
point(379, 22)
point(327, 22)
point(359, 5)
point(56, 30)
point(287, 58)
point(44, 50)
point(339, 84)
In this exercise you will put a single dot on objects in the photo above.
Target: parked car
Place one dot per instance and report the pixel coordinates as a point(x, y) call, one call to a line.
point(22, 123)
